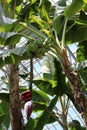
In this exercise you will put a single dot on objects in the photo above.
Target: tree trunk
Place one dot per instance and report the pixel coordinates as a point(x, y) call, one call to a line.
point(75, 83)
point(15, 103)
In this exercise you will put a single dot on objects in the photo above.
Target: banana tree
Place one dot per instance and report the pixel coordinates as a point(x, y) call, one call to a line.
point(13, 28)
point(61, 29)
point(47, 31)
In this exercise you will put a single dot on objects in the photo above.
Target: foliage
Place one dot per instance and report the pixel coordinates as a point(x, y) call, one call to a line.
point(47, 31)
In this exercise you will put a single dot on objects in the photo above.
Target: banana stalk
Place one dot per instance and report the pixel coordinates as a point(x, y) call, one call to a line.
point(75, 83)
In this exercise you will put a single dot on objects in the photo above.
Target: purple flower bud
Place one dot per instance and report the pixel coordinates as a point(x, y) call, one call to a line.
point(28, 109)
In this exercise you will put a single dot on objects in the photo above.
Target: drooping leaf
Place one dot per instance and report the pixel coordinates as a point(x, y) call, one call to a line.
point(58, 23)
point(73, 8)
point(76, 28)
point(45, 116)
point(14, 55)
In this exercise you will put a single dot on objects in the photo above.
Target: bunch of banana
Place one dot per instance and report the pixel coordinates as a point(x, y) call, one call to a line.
point(38, 48)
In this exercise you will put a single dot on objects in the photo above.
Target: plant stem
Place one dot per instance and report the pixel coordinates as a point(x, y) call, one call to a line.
point(31, 74)
point(57, 40)
point(63, 35)
point(75, 84)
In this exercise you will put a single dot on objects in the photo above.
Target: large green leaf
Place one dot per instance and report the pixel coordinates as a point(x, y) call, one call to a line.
point(44, 85)
point(32, 122)
point(14, 55)
point(76, 28)
point(58, 23)
point(77, 33)
point(45, 116)
point(40, 96)
point(74, 8)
